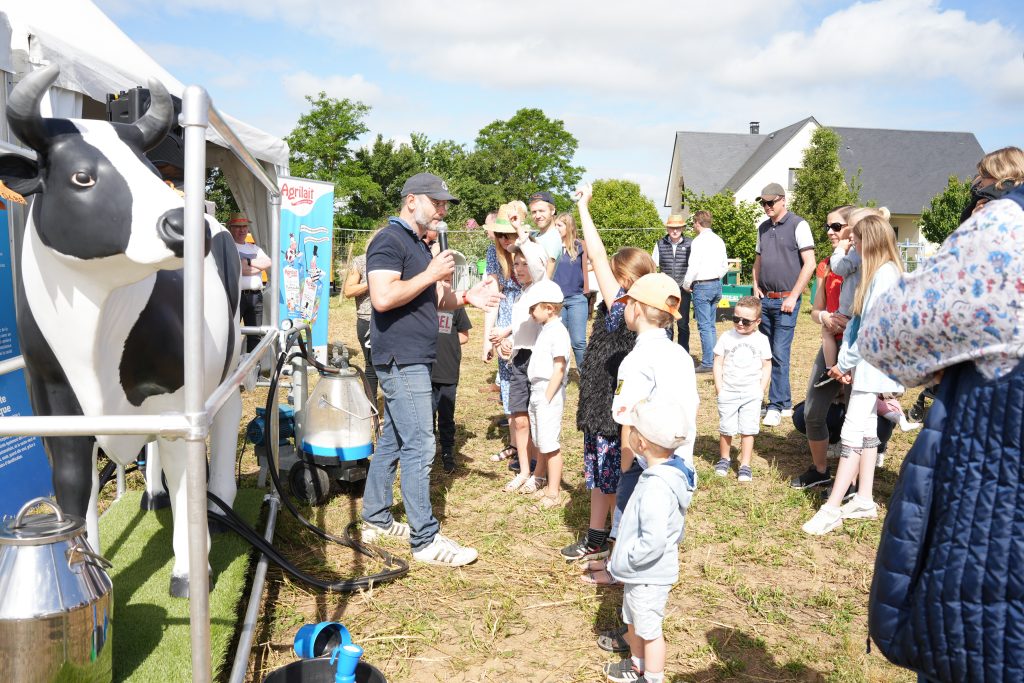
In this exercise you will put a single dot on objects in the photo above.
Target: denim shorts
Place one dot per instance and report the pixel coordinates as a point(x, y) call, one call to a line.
point(643, 605)
point(739, 413)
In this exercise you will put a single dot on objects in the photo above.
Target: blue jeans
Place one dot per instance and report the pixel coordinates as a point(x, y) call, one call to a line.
point(706, 296)
point(779, 328)
point(683, 324)
point(574, 317)
point(407, 439)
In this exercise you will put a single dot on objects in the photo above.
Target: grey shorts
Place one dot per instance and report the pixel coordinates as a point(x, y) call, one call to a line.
point(643, 605)
point(519, 382)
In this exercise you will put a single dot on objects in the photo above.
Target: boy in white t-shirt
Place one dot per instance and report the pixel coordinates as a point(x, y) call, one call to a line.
point(742, 372)
point(548, 375)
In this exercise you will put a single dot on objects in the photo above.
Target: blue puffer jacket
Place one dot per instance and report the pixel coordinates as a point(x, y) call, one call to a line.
point(947, 598)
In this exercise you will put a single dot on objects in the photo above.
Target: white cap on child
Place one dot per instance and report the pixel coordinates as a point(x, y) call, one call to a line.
point(661, 421)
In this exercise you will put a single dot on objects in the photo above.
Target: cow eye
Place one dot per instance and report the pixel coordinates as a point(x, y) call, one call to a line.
point(82, 179)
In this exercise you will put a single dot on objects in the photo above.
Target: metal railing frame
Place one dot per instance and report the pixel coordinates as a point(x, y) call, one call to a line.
point(193, 424)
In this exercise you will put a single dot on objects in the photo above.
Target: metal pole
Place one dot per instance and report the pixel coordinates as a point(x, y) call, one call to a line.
point(195, 119)
point(252, 612)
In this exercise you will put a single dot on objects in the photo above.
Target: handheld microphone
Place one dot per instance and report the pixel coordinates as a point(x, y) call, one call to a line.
point(442, 235)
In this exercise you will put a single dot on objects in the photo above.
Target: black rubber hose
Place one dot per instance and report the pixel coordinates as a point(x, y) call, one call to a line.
point(231, 520)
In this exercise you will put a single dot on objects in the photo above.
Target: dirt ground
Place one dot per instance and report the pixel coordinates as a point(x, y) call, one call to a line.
point(757, 600)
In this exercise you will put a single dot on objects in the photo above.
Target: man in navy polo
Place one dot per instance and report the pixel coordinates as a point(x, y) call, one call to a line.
point(407, 287)
point(782, 268)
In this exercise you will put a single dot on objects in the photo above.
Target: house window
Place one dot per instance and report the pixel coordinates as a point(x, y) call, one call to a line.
point(792, 179)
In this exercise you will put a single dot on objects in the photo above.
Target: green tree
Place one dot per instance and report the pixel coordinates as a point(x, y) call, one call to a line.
point(529, 152)
point(624, 215)
point(943, 214)
point(218, 192)
point(388, 165)
point(322, 148)
point(735, 222)
point(821, 185)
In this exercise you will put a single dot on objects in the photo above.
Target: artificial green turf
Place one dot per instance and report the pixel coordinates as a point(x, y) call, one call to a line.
point(151, 638)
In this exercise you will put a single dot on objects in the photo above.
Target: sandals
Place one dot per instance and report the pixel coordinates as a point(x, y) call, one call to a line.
point(505, 453)
point(547, 502)
point(533, 484)
point(599, 577)
point(516, 483)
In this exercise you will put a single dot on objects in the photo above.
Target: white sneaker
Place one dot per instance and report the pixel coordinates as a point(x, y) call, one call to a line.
point(372, 532)
point(824, 520)
point(908, 426)
point(787, 412)
point(879, 460)
point(444, 551)
point(858, 508)
point(772, 418)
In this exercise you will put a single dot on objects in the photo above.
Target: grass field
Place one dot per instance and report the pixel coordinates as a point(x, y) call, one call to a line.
point(757, 600)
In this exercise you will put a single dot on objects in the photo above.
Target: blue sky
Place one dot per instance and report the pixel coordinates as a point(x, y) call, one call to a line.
point(622, 76)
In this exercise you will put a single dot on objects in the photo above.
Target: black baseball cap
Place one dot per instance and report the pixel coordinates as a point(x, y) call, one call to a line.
point(430, 185)
point(542, 196)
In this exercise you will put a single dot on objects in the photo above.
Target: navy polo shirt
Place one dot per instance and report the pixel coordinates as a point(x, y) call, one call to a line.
point(780, 245)
point(406, 334)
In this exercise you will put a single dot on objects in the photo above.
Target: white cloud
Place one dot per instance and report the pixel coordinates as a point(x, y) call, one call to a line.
point(299, 84)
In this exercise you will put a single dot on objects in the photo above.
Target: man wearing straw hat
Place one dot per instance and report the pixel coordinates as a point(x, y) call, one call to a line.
point(254, 262)
point(672, 254)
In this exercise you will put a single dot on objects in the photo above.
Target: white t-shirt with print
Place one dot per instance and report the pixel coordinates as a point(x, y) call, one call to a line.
point(743, 355)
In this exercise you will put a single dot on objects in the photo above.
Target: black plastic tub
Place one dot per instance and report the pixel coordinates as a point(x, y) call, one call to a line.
point(321, 670)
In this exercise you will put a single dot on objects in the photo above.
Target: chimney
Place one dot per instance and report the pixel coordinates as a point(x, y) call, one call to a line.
point(755, 127)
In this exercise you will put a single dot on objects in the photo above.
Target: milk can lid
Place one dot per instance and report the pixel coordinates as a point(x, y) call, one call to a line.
point(26, 529)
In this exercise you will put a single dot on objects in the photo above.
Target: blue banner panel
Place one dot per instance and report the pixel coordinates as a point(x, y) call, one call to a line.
point(307, 228)
point(24, 469)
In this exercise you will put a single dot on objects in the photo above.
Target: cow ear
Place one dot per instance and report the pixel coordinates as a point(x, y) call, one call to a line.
point(20, 174)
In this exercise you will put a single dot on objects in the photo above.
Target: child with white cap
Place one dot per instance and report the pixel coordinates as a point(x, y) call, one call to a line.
point(548, 375)
point(646, 555)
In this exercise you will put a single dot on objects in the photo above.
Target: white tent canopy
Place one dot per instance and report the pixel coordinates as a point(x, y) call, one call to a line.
point(96, 58)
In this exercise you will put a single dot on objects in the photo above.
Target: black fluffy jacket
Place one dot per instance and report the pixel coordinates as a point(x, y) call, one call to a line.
point(605, 351)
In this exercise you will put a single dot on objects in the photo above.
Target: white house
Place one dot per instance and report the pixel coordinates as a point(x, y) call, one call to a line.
point(899, 169)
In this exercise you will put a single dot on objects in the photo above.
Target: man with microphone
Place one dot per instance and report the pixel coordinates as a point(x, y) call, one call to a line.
point(407, 287)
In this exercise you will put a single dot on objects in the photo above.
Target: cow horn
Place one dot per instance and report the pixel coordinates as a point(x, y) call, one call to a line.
point(23, 107)
point(158, 119)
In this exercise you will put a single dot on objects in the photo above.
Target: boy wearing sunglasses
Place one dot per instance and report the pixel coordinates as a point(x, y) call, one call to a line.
point(742, 372)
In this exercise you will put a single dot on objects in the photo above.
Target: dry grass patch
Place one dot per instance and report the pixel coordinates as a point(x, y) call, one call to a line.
point(756, 600)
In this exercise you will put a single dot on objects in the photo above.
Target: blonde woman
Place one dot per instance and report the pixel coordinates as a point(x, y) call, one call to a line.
point(570, 275)
point(881, 265)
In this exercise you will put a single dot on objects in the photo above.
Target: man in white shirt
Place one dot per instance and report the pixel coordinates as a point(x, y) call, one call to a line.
point(704, 272)
point(254, 262)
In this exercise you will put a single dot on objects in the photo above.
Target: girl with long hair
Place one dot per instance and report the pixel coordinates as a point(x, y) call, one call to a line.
point(571, 276)
point(880, 269)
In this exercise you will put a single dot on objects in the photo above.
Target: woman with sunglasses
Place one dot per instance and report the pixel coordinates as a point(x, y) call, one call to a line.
point(500, 264)
point(881, 266)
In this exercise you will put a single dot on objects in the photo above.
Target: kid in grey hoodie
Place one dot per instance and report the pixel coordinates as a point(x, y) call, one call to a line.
point(646, 554)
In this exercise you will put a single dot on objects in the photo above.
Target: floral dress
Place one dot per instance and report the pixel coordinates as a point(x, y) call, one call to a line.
point(511, 288)
point(963, 304)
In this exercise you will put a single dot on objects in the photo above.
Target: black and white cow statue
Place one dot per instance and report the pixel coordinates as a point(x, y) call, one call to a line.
point(101, 301)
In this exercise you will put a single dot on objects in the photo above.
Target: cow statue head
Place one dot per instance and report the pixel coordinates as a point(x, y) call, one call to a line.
point(101, 204)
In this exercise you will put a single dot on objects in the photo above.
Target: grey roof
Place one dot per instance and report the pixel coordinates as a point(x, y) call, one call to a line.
point(904, 169)
point(709, 160)
point(772, 143)
point(900, 169)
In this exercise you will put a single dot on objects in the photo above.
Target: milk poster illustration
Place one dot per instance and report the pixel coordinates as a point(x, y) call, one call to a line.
point(307, 226)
